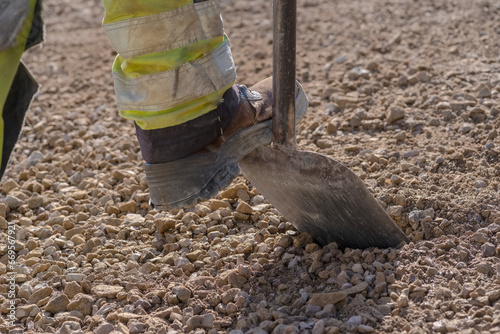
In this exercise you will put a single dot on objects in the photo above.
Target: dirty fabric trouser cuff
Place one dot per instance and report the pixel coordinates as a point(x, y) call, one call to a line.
point(179, 141)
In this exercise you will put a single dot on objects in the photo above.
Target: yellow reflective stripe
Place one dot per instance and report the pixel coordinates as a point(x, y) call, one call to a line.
point(9, 62)
point(165, 31)
point(166, 60)
point(174, 61)
point(165, 90)
point(150, 120)
point(118, 10)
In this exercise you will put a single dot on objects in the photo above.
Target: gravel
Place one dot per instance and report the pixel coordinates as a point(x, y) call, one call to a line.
point(407, 98)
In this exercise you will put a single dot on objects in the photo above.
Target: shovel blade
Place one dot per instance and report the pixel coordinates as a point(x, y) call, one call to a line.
point(322, 197)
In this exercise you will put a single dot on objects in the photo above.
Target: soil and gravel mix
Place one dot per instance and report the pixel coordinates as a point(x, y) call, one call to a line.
point(405, 93)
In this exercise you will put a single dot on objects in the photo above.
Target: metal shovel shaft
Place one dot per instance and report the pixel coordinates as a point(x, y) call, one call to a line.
point(317, 194)
point(285, 21)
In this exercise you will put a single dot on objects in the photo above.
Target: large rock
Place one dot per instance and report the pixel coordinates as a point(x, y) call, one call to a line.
point(70, 327)
point(363, 286)
point(136, 327)
point(200, 321)
point(13, 202)
point(105, 328)
point(164, 224)
point(39, 293)
point(57, 304)
point(244, 208)
point(394, 113)
point(323, 299)
point(82, 303)
point(72, 289)
point(229, 295)
point(106, 291)
point(182, 293)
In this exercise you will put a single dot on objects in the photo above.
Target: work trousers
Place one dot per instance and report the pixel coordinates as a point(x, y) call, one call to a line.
point(174, 73)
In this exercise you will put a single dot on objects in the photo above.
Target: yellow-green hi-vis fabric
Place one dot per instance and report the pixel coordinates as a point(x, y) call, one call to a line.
point(16, 17)
point(174, 63)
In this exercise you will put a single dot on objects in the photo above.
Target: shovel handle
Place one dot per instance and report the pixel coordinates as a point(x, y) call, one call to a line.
point(284, 34)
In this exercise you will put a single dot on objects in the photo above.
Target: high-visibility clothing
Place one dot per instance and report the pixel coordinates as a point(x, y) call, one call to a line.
point(16, 85)
point(174, 62)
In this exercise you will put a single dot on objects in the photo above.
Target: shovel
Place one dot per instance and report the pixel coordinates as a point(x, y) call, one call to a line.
point(317, 194)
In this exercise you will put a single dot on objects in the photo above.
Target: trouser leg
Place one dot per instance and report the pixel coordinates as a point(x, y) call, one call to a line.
point(22, 28)
point(179, 141)
point(173, 73)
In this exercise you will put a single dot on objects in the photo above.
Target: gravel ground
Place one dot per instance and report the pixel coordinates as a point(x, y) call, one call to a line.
point(405, 93)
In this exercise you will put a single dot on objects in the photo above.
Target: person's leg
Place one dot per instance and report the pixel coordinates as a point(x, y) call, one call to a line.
point(174, 76)
point(174, 65)
point(21, 28)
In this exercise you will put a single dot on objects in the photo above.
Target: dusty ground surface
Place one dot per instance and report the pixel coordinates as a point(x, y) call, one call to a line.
point(406, 93)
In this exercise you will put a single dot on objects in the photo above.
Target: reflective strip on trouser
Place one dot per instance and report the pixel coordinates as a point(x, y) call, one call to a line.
point(16, 85)
point(173, 65)
point(165, 31)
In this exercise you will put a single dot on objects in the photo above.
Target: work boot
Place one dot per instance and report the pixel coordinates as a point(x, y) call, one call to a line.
point(200, 175)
